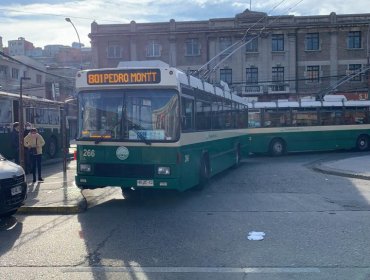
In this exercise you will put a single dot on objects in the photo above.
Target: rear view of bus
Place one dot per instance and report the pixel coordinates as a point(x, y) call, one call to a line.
point(130, 131)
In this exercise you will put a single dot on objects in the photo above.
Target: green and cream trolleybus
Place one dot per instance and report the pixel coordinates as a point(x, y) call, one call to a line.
point(148, 125)
point(44, 114)
point(309, 125)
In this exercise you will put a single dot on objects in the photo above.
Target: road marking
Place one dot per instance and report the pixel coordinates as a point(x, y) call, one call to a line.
point(195, 269)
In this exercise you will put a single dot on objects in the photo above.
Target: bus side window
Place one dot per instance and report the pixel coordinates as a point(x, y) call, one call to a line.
point(203, 115)
point(350, 116)
point(254, 118)
point(187, 114)
point(5, 111)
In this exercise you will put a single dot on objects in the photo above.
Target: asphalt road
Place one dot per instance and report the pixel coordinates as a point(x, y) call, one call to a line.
point(316, 226)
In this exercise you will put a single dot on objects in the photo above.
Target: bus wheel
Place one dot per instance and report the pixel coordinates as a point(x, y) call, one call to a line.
point(362, 143)
point(8, 214)
point(52, 147)
point(277, 147)
point(203, 173)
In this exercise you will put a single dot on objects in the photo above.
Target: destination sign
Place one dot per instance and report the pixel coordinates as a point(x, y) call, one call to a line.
point(124, 76)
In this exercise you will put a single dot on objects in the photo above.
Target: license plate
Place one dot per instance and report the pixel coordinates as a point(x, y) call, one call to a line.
point(16, 190)
point(145, 183)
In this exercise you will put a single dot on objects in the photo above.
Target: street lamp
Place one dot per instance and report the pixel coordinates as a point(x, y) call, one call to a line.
point(79, 41)
point(21, 123)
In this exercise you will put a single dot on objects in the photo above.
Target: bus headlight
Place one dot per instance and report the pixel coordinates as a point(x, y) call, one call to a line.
point(163, 170)
point(85, 167)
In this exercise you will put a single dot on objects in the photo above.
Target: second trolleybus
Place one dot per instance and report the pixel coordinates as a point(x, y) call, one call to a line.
point(44, 114)
point(308, 125)
point(148, 125)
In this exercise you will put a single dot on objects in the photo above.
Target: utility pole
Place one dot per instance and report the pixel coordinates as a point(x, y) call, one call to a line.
point(21, 123)
point(368, 62)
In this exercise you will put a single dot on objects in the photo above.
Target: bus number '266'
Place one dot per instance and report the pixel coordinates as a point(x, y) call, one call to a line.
point(88, 153)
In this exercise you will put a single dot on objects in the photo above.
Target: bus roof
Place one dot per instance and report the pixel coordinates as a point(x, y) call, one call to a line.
point(170, 77)
point(308, 104)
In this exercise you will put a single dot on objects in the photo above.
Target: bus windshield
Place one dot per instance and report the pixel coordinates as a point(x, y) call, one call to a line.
point(135, 115)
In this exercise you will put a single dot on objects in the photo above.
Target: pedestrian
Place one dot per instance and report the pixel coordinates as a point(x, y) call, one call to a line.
point(34, 142)
point(15, 142)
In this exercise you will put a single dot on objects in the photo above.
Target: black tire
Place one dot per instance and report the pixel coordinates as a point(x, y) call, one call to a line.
point(8, 214)
point(277, 147)
point(52, 147)
point(203, 173)
point(362, 143)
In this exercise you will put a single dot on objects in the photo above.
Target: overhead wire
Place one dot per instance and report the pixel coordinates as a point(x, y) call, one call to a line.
point(247, 42)
point(239, 41)
point(343, 80)
point(33, 67)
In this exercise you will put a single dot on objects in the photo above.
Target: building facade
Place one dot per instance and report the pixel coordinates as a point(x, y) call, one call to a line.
point(12, 71)
point(20, 47)
point(261, 57)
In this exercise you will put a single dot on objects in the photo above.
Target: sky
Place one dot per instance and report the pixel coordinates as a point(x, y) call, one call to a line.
point(42, 22)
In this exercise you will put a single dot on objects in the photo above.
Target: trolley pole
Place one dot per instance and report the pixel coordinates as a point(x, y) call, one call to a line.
point(21, 123)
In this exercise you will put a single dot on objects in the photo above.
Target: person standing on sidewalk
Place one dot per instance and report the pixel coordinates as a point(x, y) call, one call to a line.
point(34, 142)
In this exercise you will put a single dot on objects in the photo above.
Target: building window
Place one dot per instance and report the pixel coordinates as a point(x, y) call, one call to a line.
point(354, 40)
point(15, 73)
point(226, 75)
point(252, 80)
point(312, 42)
point(225, 43)
point(278, 79)
point(153, 49)
point(114, 50)
point(3, 70)
point(251, 44)
point(192, 47)
point(38, 79)
point(277, 42)
point(313, 74)
point(252, 75)
point(352, 70)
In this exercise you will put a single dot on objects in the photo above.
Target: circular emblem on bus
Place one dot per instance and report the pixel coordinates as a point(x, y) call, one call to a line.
point(122, 153)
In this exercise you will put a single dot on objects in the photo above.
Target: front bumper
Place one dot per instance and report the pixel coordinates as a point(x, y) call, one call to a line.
point(92, 182)
point(10, 202)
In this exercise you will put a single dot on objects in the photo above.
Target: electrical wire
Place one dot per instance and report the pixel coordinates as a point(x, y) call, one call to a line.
point(34, 68)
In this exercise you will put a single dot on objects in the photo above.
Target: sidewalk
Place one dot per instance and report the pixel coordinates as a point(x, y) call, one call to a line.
point(58, 194)
point(353, 166)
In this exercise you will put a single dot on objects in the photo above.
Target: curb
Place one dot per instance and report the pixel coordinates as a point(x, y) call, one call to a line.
point(338, 172)
point(80, 207)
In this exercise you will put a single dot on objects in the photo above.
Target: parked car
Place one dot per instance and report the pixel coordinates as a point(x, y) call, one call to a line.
point(13, 187)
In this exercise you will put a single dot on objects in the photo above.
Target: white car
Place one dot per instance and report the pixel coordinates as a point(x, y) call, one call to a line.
point(13, 187)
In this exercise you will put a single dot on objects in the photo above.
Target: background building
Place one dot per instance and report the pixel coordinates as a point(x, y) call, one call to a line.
point(52, 70)
point(261, 57)
point(20, 47)
point(11, 71)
